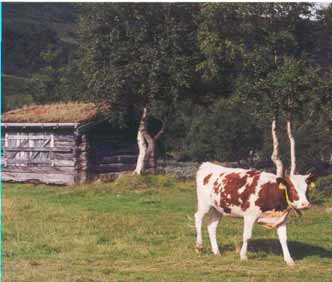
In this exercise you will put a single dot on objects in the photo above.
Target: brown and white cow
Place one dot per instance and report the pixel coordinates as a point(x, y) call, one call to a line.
point(254, 195)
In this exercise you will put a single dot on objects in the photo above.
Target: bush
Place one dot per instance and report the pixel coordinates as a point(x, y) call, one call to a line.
point(323, 191)
point(324, 185)
point(225, 133)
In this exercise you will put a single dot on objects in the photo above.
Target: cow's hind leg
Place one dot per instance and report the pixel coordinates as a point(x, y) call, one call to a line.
point(282, 234)
point(249, 222)
point(199, 216)
point(214, 218)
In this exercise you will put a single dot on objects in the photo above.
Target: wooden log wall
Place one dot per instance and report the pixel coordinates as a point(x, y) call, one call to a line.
point(68, 158)
point(112, 154)
point(59, 167)
point(82, 157)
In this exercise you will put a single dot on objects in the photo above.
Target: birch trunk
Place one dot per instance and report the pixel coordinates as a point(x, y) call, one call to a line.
point(276, 149)
point(151, 151)
point(292, 145)
point(141, 144)
point(150, 154)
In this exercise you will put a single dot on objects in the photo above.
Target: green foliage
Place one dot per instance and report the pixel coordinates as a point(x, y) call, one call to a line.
point(30, 28)
point(323, 46)
point(324, 184)
point(323, 191)
point(16, 92)
point(54, 82)
point(226, 133)
point(314, 131)
point(38, 41)
point(136, 54)
point(290, 88)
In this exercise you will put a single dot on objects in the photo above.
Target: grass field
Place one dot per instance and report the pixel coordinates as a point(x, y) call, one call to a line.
point(142, 229)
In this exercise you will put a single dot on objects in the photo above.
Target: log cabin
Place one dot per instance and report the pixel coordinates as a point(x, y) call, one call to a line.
point(66, 144)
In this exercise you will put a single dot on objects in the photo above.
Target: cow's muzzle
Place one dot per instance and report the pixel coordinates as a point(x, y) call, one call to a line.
point(305, 206)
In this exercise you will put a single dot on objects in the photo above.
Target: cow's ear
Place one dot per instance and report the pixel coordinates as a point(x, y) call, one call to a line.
point(310, 178)
point(282, 183)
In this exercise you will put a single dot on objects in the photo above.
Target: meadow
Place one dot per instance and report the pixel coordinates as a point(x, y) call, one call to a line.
point(142, 229)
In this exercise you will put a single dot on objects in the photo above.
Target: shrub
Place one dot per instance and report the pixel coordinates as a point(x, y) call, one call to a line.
point(323, 191)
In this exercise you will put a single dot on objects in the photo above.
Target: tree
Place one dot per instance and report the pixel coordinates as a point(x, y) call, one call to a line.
point(275, 70)
point(139, 57)
point(245, 44)
point(227, 132)
point(57, 80)
point(323, 48)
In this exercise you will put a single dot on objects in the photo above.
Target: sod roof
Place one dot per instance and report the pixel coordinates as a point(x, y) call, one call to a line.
point(58, 113)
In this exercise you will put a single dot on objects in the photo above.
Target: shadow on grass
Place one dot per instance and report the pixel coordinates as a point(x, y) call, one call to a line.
point(298, 250)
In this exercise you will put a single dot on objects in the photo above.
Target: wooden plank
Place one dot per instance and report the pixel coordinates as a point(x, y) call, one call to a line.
point(64, 138)
point(100, 168)
point(125, 159)
point(48, 178)
point(39, 169)
point(66, 163)
point(118, 145)
point(70, 143)
point(40, 149)
point(41, 125)
point(83, 146)
point(25, 162)
point(112, 137)
point(63, 156)
point(28, 137)
point(112, 153)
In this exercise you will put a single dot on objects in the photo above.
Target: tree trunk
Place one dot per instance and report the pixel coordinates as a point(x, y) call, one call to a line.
point(150, 154)
point(140, 165)
point(146, 145)
point(251, 158)
point(292, 144)
point(151, 151)
point(276, 149)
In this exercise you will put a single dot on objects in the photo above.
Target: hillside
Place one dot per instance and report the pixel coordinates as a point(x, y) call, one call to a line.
point(28, 30)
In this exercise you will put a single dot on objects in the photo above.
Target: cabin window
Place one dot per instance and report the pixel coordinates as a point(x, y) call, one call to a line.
point(24, 149)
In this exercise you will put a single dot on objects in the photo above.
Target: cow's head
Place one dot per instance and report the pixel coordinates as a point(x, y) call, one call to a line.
point(297, 188)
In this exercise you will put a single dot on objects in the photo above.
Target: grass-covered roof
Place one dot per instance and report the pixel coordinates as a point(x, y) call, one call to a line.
point(60, 113)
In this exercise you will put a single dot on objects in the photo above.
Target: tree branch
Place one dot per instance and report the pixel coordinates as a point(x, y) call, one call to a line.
point(160, 132)
point(276, 152)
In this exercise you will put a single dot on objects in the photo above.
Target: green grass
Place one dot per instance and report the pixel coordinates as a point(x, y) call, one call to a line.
point(142, 229)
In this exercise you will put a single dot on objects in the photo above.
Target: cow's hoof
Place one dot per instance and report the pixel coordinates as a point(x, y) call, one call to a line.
point(243, 258)
point(199, 249)
point(290, 262)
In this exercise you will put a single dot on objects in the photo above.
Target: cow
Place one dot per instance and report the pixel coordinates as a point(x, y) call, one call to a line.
point(258, 197)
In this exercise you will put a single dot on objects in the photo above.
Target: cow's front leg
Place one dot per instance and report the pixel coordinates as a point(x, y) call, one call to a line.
point(282, 233)
point(199, 216)
point(214, 218)
point(249, 222)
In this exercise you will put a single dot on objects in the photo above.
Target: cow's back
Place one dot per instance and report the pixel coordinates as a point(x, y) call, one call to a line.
point(231, 190)
point(209, 178)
